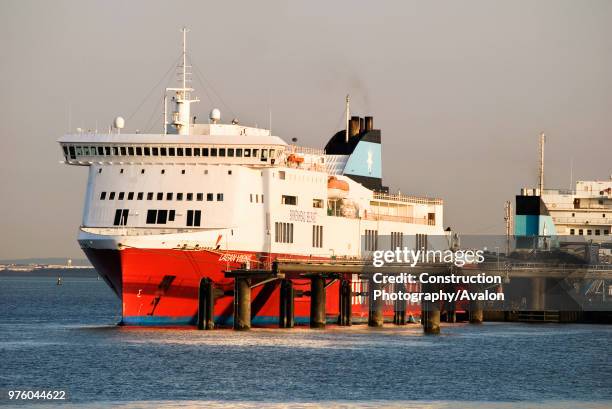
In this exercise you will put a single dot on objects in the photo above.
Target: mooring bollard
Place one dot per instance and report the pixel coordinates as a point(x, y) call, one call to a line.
point(345, 308)
point(317, 302)
point(206, 305)
point(242, 303)
point(375, 307)
point(286, 318)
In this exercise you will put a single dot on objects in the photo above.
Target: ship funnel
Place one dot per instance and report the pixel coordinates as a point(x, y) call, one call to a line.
point(354, 126)
point(369, 123)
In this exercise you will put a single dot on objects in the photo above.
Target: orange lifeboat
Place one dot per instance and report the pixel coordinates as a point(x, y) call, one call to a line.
point(295, 159)
point(337, 189)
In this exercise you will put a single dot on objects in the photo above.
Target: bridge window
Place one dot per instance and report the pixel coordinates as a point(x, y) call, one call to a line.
point(196, 151)
point(121, 195)
point(155, 151)
point(138, 151)
point(130, 150)
point(213, 151)
point(122, 150)
point(171, 152)
point(131, 196)
point(222, 152)
point(204, 151)
point(200, 197)
point(289, 200)
point(209, 197)
point(255, 153)
point(230, 152)
point(247, 153)
point(107, 150)
point(111, 196)
point(219, 197)
point(72, 152)
point(187, 151)
point(162, 151)
point(115, 151)
point(169, 196)
point(102, 195)
point(239, 152)
point(179, 151)
point(150, 196)
point(160, 196)
point(147, 151)
point(140, 196)
point(179, 196)
point(100, 150)
point(189, 197)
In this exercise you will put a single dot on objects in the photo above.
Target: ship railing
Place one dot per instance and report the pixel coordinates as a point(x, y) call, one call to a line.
point(401, 219)
point(583, 220)
point(408, 199)
point(133, 231)
point(305, 150)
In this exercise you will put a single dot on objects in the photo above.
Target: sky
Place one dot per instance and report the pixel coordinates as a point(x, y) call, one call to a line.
point(460, 90)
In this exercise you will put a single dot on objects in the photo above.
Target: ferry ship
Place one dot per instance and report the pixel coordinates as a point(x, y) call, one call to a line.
point(546, 218)
point(164, 211)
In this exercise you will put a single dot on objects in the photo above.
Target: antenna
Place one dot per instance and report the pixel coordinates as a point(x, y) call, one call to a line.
point(348, 116)
point(508, 220)
point(542, 141)
point(571, 173)
point(181, 118)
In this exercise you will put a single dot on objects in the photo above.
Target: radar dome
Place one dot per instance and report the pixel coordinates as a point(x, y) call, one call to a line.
point(119, 122)
point(215, 115)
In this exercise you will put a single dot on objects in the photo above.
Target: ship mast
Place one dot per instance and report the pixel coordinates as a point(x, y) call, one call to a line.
point(348, 113)
point(542, 140)
point(182, 98)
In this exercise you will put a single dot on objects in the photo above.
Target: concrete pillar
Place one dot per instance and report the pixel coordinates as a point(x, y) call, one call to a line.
point(375, 313)
point(345, 306)
point(538, 296)
point(286, 318)
point(476, 314)
point(317, 302)
point(399, 307)
point(242, 303)
point(430, 317)
point(206, 305)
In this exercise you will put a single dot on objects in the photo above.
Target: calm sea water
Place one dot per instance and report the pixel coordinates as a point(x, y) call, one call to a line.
point(65, 337)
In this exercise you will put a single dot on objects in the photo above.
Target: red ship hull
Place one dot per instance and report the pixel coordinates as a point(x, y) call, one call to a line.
point(161, 286)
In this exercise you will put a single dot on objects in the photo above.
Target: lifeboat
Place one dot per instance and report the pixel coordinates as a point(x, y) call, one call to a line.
point(337, 189)
point(295, 159)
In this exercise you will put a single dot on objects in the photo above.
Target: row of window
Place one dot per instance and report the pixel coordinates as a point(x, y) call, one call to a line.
point(160, 216)
point(283, 232)
point(262, 154)
point(317, 236)
point(160, 196)
point(589, 232)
